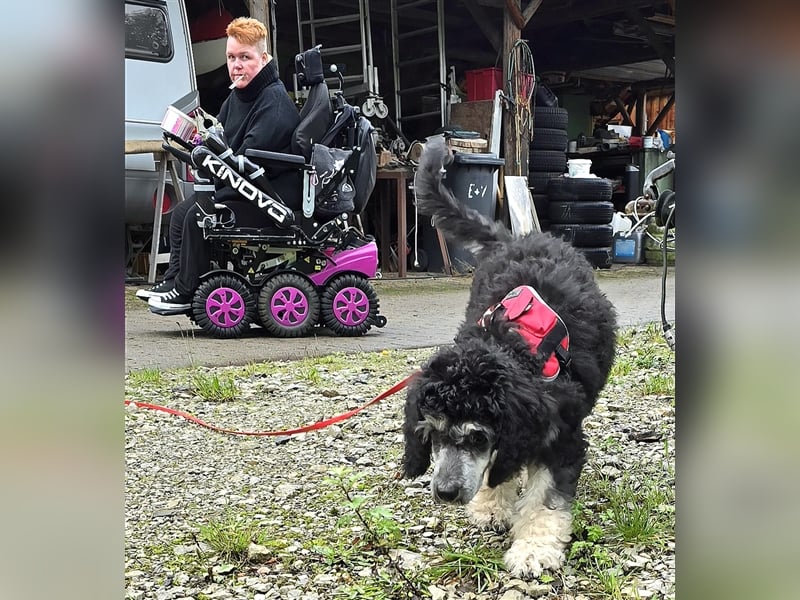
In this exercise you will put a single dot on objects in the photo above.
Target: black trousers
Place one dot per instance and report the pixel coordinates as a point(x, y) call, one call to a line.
point(189, 256)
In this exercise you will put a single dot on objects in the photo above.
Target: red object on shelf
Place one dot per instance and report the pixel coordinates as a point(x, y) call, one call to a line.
point(482, 83)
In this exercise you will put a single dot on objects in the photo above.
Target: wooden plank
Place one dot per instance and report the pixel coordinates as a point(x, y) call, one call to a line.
point(473, 116)
point(143, 146)
point(660, 117)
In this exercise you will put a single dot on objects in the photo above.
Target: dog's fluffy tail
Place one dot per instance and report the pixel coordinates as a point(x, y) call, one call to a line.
point(456, 220)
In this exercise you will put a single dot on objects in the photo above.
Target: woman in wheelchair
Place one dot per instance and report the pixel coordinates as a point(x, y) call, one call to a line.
point(276, 223)
point(258, 114)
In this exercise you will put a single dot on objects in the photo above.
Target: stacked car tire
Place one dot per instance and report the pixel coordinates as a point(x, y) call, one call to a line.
point(547, 156)
point(579, 210)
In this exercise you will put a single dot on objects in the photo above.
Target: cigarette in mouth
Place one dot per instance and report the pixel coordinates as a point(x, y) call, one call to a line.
point(235, 81)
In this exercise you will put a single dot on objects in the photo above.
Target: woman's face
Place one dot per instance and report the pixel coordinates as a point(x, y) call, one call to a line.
point(244, 62)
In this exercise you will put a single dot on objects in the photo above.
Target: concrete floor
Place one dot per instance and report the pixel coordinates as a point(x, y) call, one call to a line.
point(421, 311)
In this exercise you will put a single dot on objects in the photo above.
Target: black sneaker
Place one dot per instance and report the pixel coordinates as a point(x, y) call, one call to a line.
point(173, 302)
point(157, 290)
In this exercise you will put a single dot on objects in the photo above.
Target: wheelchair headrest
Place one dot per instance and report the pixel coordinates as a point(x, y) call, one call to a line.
point(308, 66)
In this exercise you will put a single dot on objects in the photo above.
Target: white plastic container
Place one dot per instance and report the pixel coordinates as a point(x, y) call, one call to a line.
point(178, 123)
point(579, 167)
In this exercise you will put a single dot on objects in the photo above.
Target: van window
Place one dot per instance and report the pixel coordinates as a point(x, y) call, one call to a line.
point(147, 35)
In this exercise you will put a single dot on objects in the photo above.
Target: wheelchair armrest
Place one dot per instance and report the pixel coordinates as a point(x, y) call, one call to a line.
point(275, 157)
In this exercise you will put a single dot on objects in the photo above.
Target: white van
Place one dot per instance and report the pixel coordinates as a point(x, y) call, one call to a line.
point(159, 69)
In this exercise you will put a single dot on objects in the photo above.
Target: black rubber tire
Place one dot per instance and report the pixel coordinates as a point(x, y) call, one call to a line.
point(216, 286)
point(538, 180)
point(599, 258)
point(549, 139)
point(547, 117)
point(540, 204)
point(358, 285)
point(579, 188)
point(301, 318)
point(581, 212)
point(584, 235)
point(547, 160)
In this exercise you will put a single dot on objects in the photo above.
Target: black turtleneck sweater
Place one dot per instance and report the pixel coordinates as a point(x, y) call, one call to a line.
point(260, 116)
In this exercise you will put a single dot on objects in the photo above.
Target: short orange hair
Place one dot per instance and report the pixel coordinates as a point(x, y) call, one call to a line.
point(248, 31)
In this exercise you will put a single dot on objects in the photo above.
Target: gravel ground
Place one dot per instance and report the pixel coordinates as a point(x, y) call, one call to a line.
point(326, 515)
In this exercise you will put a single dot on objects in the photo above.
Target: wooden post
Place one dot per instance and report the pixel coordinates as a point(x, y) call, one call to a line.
point(517, 137)
point(259, 9)
point(515, 154)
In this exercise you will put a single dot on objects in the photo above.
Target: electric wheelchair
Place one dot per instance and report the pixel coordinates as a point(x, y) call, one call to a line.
point(312, 267)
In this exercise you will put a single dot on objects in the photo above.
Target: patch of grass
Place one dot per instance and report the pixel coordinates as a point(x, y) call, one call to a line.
point(379, 531)
point(621, 368)
point(311, 374)
point(259, 369)
point(610, 578)
point(635, 514)
point(231, 534)
point(479, 564)
point(381, 587)
point(641, 516)
point(657, 384)
point(145, 376)
point(212, 387)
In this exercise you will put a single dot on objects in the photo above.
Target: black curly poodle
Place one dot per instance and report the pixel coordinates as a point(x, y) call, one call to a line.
point(506, 438)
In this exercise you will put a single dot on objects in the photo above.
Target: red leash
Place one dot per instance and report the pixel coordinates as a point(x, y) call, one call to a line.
point(318, 425)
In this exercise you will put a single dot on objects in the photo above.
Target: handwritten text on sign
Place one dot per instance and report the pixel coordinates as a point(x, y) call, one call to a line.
point(476, 191)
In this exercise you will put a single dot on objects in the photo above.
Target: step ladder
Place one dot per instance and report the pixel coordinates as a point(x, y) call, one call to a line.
point(329, 24)
point(410, 42)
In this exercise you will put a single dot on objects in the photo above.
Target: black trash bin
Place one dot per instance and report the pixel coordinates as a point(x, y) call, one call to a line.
point(471, 178)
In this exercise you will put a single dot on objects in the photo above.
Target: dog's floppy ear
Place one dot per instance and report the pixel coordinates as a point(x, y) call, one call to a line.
point(528, 424)
point(417, 455)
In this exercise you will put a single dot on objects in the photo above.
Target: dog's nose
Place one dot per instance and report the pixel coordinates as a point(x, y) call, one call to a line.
point(445, 493)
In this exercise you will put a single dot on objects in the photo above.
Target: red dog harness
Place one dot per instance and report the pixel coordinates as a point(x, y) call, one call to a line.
point(537, 323)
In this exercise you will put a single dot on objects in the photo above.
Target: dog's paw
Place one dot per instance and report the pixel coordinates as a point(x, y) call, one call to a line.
point(490, 520)
point(528, 559)
point(489, 516)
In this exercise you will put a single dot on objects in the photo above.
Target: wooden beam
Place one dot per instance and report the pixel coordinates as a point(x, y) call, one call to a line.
point(660, 117)
point(532, 8)
point(626, 118)
point(521, 17)
point(484, 23)
point(652, 37)
point(512, 9)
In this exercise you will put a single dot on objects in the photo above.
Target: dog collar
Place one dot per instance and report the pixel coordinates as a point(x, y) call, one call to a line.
point(537, 323)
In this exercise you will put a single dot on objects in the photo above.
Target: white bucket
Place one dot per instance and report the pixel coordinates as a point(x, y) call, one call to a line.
point(648, 142)
point(579, 167)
